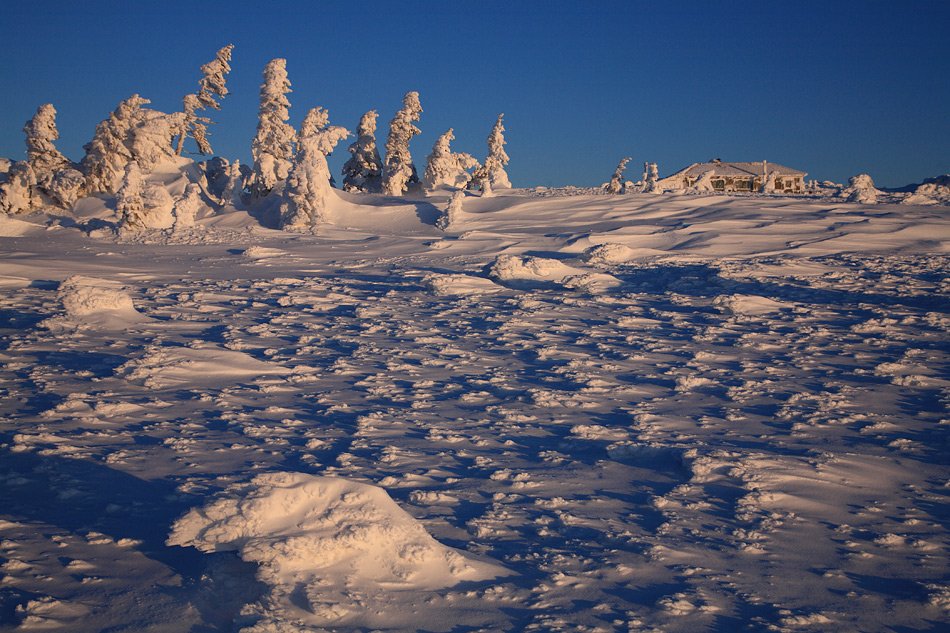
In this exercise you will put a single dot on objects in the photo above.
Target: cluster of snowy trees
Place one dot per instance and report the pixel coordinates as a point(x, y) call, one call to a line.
point(287, 164)
point(647, 184)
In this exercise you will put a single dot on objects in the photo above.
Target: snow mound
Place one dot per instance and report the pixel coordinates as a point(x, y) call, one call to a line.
point(332, 551)
point(88, 301)
point(459, 284)
point(609, 253)
point(750, 304)
point(11, 227)
point(162, 367)
point(535, 271)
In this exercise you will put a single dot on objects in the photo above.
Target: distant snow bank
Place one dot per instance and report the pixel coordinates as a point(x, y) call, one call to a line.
point(321, 540)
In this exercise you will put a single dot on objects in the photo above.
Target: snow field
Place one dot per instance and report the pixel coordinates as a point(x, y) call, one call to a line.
point(743, 431)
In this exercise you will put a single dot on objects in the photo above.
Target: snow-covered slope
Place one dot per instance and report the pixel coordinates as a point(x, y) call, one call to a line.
point(565, 413)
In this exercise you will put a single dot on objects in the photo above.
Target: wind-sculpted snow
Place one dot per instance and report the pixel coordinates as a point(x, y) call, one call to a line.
point(333, 551)
point(656, 412)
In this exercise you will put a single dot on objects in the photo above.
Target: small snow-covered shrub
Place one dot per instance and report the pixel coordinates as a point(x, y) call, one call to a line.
point(861, 189)
point(83, 296)
point(453, 212)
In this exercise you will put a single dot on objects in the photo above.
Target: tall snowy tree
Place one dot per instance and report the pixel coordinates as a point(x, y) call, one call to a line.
point(308, 185)
point(445, 167)
point(273, 146)
point(211, 85)
point(497, 157)
point(363, 170)
point(109, 152)
point(651, 175)
point(616, 185)
point(187, 207)
point(41, 152)
point(399, 172)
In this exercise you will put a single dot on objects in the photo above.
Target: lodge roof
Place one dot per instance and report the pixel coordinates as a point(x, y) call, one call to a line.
point(722, 168)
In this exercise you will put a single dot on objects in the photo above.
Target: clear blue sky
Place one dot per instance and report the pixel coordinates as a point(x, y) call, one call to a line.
point(833, 88)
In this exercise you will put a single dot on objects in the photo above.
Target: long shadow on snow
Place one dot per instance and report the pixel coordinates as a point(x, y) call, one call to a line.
point(150, 509)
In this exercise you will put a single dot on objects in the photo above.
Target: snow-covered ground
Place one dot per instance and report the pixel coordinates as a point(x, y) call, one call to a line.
point(565, 413)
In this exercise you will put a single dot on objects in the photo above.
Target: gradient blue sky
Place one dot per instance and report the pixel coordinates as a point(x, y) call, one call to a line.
point(833, 88)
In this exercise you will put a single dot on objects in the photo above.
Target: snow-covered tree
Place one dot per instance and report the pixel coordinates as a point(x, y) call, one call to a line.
point(16, 194)
point(616, 181)
point(453, 211)
point(768, 186)
point(41, 152)
point(150, 140)
point(481, 179)
point(129, 200)
point(273, 146)
point(497, 157)
point(108, 152)
point(651, 175)
point(187, 206)
point(399, 171)
point(445, 167)
point(308, 185)
point(66, 187)
point(234, 188)
point(704, 182)
point(211, 85)
point(861, 189)
point(363, 171)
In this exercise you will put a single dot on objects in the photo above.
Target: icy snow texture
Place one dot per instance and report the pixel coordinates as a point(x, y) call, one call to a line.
point(320, 541)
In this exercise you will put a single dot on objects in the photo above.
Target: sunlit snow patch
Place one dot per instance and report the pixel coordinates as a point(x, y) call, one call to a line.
point(11, 227)
point(262, 252)
point(332, 551)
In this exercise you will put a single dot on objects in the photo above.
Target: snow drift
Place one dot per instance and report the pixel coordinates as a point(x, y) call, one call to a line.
point(331, 550)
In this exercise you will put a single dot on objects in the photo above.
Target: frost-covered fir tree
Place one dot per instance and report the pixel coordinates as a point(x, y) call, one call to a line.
point(273, 146)
point(210, 87)
point(861, 189)
point(108, 152)
point(497, 156)
point(445, 167)
point(452, 214)
point(17, 193)
point(187, 207)
point(651, 176)
point(616, 184)
point(41, 152)
point(481, 179)
point(399, 172)
point(769, 185)
point(363, 171)
point(129, 200)
point(308, 186)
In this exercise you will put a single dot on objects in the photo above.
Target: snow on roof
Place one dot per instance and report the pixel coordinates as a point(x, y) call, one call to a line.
point(723, 168)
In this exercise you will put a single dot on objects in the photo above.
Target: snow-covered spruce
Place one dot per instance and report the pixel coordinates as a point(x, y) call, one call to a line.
point(107, 154)
point(445, 168)
point(363, 171)
point(769, 185)
point(481, 180)
point(452, 214)
point(616, 184)
point(399, 171)
point(129, 200)
point(211, 85)
point(308, 186)
point(53, 172)
point(273, 146)
point(233, 192)
point(651, 176)
point(497, 156)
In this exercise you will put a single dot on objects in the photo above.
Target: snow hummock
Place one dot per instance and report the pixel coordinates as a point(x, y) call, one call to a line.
point(531, 271)
point(88, 301)
point(332, 551)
